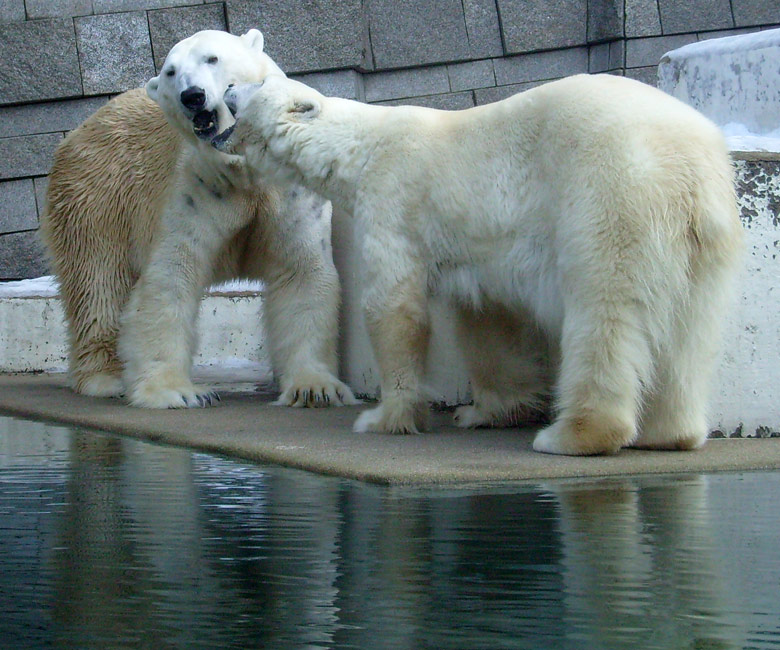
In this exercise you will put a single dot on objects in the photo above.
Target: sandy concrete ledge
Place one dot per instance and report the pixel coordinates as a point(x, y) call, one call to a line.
point(246, 426)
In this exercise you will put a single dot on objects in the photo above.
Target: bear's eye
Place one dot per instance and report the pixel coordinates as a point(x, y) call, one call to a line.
point(170, 72)
point(212, 60)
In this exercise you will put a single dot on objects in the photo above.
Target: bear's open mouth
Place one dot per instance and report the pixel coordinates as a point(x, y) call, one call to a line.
point(205, 124)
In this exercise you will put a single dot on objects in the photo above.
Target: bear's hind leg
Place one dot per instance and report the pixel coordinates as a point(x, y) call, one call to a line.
point(508, 362)
point(92, 295)
point(675, 415)
point(605, 358)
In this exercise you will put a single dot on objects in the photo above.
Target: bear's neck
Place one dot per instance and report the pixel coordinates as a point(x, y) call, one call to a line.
point(336, 149)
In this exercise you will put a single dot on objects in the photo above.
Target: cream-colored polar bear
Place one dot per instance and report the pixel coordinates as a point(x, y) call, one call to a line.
point(599, 206)
point(138, 199)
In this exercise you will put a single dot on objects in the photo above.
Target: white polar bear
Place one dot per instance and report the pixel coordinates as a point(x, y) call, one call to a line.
point(599, 206)
point(132, 194)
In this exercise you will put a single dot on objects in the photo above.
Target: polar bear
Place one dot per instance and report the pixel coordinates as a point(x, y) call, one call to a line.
point(598, 207)
point(139, 200)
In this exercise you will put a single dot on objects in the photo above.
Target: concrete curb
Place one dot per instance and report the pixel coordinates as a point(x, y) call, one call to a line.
point(246, 426)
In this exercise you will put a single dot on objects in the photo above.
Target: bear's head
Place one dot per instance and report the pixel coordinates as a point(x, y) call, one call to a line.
point(198, 70)
point(266, 113)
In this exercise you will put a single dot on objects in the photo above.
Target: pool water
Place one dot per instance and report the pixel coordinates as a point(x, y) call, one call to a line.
point(108, 542)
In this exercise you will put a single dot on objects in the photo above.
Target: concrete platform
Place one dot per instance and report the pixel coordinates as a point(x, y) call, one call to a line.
point(244, 425)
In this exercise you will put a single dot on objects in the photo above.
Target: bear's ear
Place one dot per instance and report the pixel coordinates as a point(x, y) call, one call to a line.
point(151, 87)
point(254, 39)
point(305, 108)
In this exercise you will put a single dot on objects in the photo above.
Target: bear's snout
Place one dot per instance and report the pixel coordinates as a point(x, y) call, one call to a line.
point(193, 98)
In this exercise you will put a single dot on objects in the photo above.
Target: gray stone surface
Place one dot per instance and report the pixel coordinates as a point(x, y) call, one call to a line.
point(41, 185)
point(306, 36)
point(57, 8)
point(382, 86)
point(113, 6)
point(756, 12)
point(598, 58)
point(489, 95)
point(48, 117)
point(694, 15)
point(22, 256)
point(483, 29)
point(642, 18)
point(168, 26)
point(40, 61)
point(541, 65)
point(339, 83)
point(445, 102)
point(529, 25)
point(17, 206)
point(434, 32)
point(648, 74)
point(642, 52)
point(28, 155)
point(11, 11)
point(605, 20)
point(617, 55)
point(473, 74)
point(115, 52)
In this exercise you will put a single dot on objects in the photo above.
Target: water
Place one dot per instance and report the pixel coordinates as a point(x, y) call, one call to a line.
point(108, 542)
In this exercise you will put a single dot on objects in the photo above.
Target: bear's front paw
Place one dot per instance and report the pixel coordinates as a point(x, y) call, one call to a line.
point(182, 396)
point(316, 390)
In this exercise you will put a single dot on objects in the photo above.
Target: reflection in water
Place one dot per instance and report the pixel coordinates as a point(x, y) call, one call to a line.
point(109, 542)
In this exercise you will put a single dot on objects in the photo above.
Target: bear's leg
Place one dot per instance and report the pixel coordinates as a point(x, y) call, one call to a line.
point(605, 358)
point(93, 289)
point(507, 359)
point(675, 415)
point(302, 297)
point(158, 330)
point(93, 324)
point(395, 305)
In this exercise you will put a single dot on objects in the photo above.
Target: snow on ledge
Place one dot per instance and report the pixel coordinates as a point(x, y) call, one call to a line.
point(47, 287)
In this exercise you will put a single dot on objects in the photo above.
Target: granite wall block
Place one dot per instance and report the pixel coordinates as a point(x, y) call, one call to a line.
point(57, 8)
point(642, 18)
point(169, 26)
point(434, 32)
point(104, 42)
point(114, 6)
point(28, 155)
point(48, 117)
point(11, 11)
point(642, 52)
point(22, 256)
point(40, 61)
point(694, 15)
point(400, 84)
point(756, 12)
point(483, 28)
point(306, 35)
point(605, 20)
point(338, 83)
point(18, 208)
point(472, 74)
point(529, 25)
point(541, 65)
point(444, 102)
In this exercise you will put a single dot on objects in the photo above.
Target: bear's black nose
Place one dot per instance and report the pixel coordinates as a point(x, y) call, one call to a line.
point(193, 97)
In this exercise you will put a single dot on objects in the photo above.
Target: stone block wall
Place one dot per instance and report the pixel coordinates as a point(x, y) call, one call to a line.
point(62, 59)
